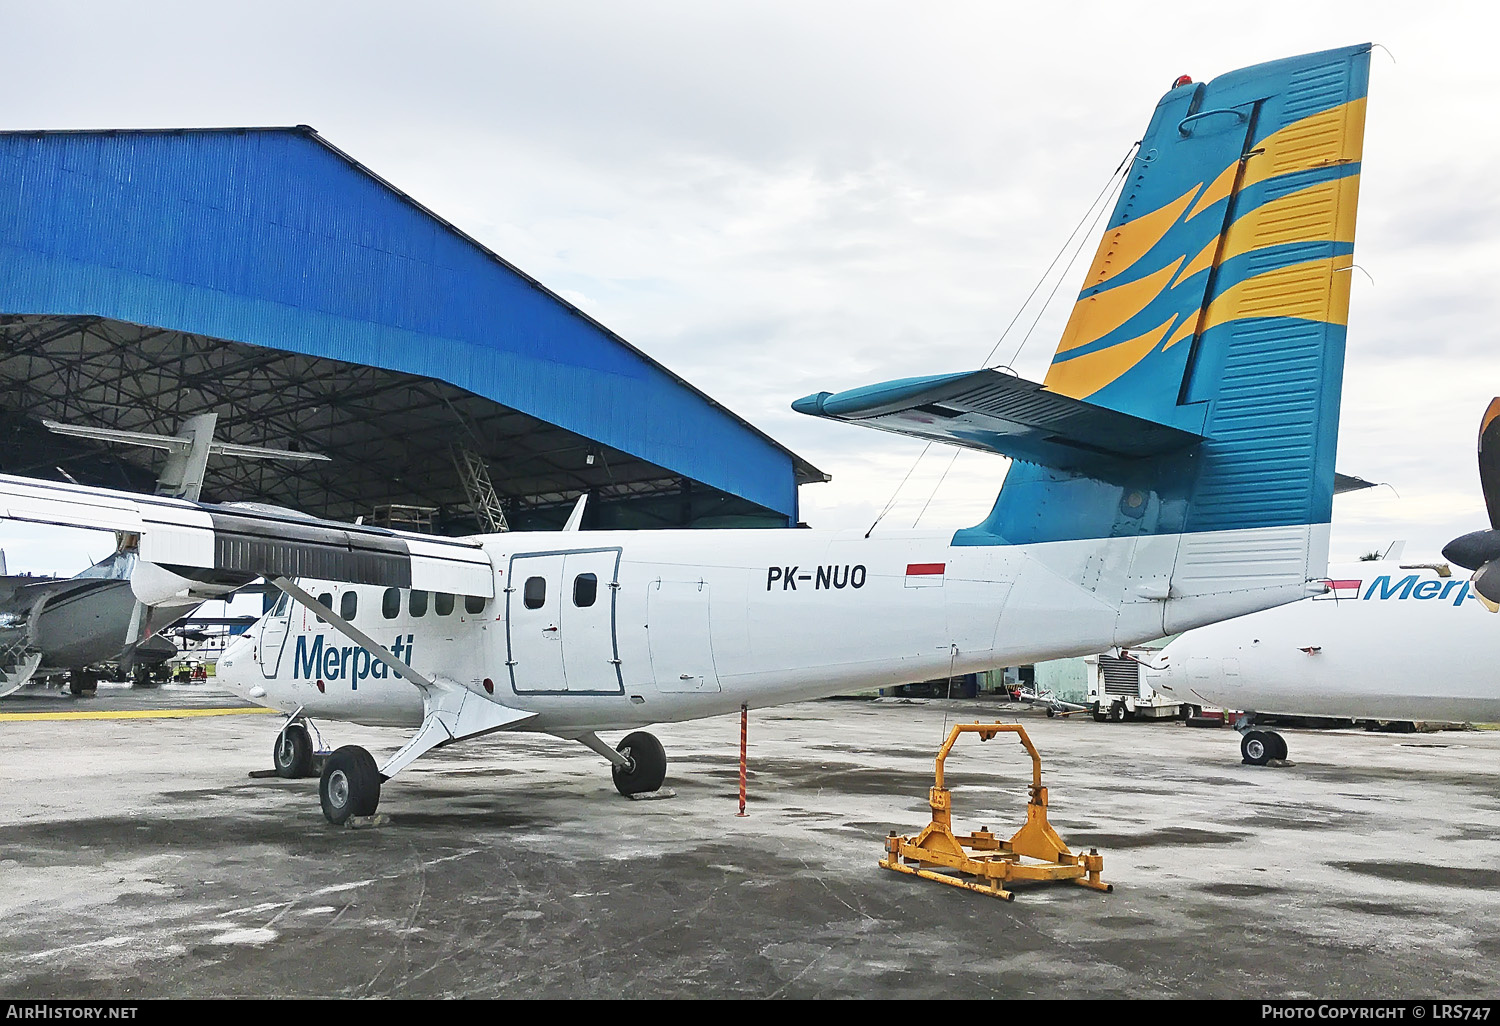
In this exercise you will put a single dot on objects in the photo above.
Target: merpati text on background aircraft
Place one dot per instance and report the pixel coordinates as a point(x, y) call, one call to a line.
point(1174, 468)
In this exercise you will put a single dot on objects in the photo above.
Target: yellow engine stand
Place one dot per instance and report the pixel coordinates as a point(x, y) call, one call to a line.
point(993, 863)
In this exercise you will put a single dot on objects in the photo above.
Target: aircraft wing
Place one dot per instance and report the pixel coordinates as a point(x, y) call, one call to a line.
point(256, 541)
point(998, 412)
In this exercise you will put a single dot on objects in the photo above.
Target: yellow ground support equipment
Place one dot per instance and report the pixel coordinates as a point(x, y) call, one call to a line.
point(993, 863)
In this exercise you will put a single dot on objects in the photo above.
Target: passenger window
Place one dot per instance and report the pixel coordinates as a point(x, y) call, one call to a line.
point(585, 589)
point(417, 604)
point(535, 593)
point(474, 605)
point(442, 603)
point(281, 605)
point(325, 599)
point(390, 603)
point(348, 605)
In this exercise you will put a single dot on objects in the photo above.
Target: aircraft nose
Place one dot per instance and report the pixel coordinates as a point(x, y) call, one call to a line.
point(233, 670)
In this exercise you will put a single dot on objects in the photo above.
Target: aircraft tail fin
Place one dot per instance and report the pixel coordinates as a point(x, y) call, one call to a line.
point(1217, 303)
point(1193, 401)
point(1202, 363)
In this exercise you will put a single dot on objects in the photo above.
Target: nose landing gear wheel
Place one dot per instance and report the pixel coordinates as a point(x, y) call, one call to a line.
point(648, 764)
point(350, 785)
point(293, 753)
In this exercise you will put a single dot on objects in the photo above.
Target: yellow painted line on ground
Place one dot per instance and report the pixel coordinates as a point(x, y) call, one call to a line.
point(133, 714)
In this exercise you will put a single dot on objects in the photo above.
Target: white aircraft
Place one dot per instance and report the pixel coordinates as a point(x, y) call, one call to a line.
point(1175, 468)
point(1389, 641)
point(117, 609)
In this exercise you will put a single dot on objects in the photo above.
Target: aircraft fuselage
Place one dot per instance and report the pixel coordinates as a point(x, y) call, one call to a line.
point(615, 630)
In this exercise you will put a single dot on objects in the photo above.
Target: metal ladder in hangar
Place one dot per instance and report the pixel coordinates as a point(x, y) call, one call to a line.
point(18, 660)
point(484, 501)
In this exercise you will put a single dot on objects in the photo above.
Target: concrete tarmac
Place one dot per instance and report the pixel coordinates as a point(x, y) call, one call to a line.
point(139, 860)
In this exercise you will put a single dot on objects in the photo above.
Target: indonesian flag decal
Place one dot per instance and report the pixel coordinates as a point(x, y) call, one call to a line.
point(925, 575)
point(1342, 590)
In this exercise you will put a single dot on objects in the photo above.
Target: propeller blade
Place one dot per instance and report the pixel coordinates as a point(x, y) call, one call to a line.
point(1489, 460)
point(1486, 582)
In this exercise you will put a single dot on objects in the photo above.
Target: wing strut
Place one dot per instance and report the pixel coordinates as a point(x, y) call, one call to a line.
point(450, 712)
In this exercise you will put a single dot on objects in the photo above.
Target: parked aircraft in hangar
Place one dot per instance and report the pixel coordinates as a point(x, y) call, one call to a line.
point(116, 610)
point(1174, 468)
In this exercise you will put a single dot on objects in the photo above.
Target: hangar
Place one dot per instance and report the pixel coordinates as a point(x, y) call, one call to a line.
point(148, 276)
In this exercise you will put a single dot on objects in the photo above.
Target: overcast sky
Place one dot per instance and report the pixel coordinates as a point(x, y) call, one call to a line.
point(777, 198)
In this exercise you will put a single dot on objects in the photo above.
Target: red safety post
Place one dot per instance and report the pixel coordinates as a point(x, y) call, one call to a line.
point(744, 731)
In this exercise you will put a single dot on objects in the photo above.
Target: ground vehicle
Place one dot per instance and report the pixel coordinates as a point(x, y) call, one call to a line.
point(1119, 691)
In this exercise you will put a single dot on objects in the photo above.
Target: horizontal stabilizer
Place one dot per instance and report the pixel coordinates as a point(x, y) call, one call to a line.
point(993, 411)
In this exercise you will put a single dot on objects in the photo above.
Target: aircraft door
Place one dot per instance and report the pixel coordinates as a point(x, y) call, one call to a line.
point(273, 635)
point(682, 656)
point(533, 625)
point(560, 622)
point(591, 662)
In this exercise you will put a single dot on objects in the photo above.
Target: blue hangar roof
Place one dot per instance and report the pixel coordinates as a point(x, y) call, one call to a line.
point(146, 276)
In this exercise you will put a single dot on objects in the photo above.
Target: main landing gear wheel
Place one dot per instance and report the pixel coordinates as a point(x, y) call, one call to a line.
point(1259, 746)
point(350, 785)
point(648, 764)
point(293, 753)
